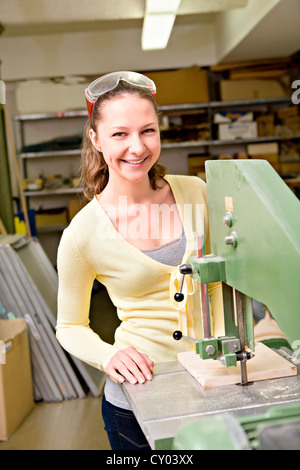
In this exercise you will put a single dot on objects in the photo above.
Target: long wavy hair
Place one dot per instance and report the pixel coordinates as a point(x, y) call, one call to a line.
point(94, 172)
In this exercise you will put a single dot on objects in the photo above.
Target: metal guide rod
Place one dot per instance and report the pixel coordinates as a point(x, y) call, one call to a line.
point(204, 292)
point(241, 334)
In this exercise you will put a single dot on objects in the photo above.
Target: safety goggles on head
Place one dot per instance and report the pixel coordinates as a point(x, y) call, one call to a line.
point(108, 82)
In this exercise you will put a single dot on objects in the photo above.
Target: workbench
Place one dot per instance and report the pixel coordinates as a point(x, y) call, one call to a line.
point(174, 397)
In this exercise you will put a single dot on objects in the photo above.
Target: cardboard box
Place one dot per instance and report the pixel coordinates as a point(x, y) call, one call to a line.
point(266, 151)
point(181, 86)
point(250, 89)
point(265, 125)
point(197, 164)
point(238, 130)
point(222, 118)
point(290, 168)
point(16, 389)
point(290, 111)
point(74, 206)
point(48, 217)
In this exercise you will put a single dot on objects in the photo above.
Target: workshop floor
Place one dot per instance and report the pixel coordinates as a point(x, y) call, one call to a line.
point(72, 424)
point(68, 425)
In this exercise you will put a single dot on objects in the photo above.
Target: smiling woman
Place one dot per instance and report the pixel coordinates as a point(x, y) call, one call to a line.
point(132, 235)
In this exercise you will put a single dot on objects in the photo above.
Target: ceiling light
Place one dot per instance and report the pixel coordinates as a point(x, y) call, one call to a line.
point(158, 23)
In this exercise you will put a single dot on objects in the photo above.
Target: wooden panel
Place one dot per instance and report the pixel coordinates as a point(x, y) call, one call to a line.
point(266, 364)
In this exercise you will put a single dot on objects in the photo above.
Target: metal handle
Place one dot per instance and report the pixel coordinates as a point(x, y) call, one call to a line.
point(177, 335)
point(184, 269)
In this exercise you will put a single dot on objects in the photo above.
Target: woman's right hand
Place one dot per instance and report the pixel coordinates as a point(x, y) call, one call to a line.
point(129, 364)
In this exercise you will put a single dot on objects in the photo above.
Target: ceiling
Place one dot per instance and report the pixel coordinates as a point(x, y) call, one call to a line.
point(276, 33)
point(21, 17)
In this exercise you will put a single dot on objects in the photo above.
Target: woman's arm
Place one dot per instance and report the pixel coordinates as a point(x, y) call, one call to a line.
point(73, 331)
point(73, 307)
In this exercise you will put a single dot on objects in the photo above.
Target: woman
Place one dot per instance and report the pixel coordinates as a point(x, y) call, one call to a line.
point(138, 227)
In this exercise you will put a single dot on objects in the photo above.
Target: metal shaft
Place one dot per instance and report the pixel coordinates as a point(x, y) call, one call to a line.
point(241, 334)
point(204, 292)
point(205, 311)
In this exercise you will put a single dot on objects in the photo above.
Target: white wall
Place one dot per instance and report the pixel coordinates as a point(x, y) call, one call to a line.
point(264, 30)
point(233, 26)
point(38, 56)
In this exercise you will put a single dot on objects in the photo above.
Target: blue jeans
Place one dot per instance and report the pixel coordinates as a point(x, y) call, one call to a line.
point(123, 430)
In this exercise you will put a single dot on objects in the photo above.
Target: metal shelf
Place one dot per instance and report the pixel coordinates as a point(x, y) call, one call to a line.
point(254, 140)
point(254, 102)
point(50, 153)
point(187, 144)
point(53, 192)
point(51, 228)
point(59, 115)
point(162, 108)
point(209, 143)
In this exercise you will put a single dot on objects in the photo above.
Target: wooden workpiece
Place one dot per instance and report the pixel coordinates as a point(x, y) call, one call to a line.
point(266, 364)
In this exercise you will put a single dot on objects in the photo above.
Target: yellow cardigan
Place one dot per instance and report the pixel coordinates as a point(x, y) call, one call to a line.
point(141, 288)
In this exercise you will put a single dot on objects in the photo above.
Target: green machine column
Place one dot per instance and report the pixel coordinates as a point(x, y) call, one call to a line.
point(255, 227)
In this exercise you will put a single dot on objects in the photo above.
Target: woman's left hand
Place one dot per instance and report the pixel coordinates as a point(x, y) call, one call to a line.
point(130, 364)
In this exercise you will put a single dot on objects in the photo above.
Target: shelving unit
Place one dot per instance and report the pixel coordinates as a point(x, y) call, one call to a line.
point(210, 108)
point(21, 121)
point(31, 129)
point(212, 146)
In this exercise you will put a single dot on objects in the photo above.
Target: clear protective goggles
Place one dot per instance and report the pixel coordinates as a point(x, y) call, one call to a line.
point(110, 81)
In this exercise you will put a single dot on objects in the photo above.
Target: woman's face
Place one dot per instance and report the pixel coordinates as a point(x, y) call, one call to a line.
point(128, 137)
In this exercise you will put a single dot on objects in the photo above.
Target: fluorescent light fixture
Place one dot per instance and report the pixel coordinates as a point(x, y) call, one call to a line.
point(158, 23)
point(162, 6)
point(157, 30)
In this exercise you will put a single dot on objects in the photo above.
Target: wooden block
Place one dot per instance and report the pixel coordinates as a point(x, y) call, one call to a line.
point(266, 364)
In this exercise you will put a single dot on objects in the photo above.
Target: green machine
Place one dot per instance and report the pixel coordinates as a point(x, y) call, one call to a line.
point(255, 252)
point(255, 240)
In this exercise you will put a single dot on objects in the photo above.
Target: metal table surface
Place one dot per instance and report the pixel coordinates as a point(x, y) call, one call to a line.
point(174, 397)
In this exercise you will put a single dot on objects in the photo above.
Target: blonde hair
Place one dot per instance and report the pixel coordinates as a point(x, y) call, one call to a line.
point(94, 172)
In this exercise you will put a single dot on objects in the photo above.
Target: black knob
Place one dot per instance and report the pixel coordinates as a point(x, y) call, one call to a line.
point(177, 335)
point(178, 297)
point(186, 269)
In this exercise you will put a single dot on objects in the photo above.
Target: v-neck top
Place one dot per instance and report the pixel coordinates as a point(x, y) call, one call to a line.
point(138, 285)
point(170, 253)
